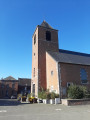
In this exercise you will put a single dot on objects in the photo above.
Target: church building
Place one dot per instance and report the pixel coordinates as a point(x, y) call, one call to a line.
point(53, 68)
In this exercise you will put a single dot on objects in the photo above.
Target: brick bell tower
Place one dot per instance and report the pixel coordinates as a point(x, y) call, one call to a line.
point(45, 38)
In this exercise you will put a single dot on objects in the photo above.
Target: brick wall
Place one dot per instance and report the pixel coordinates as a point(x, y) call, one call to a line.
point(39, 60)
point(71, 73)
point(11, 91)
point(34, 79)
point(52, 74)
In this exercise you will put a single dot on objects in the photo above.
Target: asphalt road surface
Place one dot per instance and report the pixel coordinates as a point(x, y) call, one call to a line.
point(13, 110)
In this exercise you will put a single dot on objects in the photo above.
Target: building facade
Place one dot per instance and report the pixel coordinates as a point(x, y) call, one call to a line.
point(67, 68)
point(8, 87)
point(41, 43)
point(53, 68)
point(24, 85)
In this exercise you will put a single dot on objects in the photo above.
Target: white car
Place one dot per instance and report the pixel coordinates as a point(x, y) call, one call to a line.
point(13, 97)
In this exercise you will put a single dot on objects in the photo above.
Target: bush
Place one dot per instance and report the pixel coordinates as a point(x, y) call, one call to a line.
point(56, 95)
point(47, 95)
point(53, 95)
point(42, 94)
point(77, 92)
point(87, 95)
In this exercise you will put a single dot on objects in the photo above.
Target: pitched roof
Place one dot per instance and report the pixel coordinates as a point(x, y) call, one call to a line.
point(24, 81)
point(9, 78)
point(45, 24)
point(66, 56)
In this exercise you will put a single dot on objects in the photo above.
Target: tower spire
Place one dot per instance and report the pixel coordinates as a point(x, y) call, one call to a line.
point(45, 24)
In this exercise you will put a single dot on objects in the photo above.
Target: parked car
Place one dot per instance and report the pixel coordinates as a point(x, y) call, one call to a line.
point(39, 100)
point(13, 97)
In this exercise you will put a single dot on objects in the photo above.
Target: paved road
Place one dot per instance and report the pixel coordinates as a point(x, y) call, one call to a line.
point(43, 112)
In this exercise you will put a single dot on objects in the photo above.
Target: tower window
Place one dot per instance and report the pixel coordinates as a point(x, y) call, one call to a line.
point(48, 35)
point(51, 72)
point(34, 39)
point(83, 75)
point(34, 72)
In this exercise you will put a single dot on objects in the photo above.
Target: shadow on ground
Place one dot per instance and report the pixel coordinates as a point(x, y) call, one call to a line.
point(9, 102)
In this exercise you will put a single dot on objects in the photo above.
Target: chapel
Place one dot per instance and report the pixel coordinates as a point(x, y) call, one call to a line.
point(53, 68)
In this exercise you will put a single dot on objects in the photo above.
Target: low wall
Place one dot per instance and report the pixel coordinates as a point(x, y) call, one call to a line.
point(71, 102)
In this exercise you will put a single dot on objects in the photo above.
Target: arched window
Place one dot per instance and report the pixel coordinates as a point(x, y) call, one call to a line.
point(48, 35)
point(83, 75)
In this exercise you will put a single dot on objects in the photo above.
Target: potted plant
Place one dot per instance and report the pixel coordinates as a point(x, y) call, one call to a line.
point(44, 97)
point(52, 100)
point(32, 100)
point(48, 97)
point(35, 100)
point(57, 99)
point(23, 98)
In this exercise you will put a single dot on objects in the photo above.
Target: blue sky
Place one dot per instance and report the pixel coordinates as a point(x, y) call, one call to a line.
point(18, 20)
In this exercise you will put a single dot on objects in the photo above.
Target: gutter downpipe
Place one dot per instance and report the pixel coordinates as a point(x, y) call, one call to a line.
point(59, 79)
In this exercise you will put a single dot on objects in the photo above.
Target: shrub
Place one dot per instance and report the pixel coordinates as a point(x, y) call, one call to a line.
point(56, 95)
point(48, 95)
point(53, 95)
point(77, 92)
point(87, 95)
point(42, 94)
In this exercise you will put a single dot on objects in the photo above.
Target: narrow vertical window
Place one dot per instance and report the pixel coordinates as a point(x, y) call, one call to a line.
point(34, 72)
point(48, 35)
point(52, 73)
point(13, 86)
point(35, 39)
point(83, 75)
point(7, 86)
